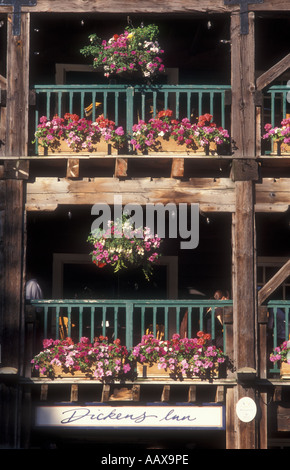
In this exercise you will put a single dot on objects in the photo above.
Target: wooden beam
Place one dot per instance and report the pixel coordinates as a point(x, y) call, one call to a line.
point(53, 191)
point(146, 6)
point(13, 252)
point(274, 72)
point(274, 283)
point(243, 89)
point(213, 195)
point(17, 102)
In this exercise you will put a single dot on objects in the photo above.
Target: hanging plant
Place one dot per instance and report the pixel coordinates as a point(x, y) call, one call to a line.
point(122, 246)
point(135, 50)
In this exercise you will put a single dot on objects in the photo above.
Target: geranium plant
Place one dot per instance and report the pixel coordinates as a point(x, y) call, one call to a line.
point(193, 135)
point(122, 245)
point(279, 134)
point(79, 133)
point(190, 357)
point(49, 132)
point(281, 353)
point(136, 49)
point(100, 360)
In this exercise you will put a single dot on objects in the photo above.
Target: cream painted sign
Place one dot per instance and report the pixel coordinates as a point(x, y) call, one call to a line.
point(103, 416)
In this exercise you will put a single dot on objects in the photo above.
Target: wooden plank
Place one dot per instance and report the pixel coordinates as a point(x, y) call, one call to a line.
point(17, 103)
point(283, 419)
point(146, 6)
point(274, 72)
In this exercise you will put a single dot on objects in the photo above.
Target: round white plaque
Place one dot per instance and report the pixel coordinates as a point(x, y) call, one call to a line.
point(246, 409)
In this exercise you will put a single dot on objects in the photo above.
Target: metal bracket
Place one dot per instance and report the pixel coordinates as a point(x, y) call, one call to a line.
point(17, 4)
point(243, 12)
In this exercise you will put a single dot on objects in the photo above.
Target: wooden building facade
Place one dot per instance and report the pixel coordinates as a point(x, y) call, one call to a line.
point(243, 192)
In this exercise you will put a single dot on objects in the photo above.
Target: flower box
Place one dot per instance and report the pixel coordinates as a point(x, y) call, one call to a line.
point(285, 370)
point(58, 372)
point(145, 370)
point(102, 148)
point(171, 146)
point(281, 149)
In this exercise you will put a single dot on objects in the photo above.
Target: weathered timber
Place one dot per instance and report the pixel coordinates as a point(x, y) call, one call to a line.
point(13, 252)
point(245, 170)
point(274, 283)
point(146, 6)
point(283, 419)
point(243, 89)
point(274, 72)
point(142, 191)
point(243, 268)
point(74, 392)
point(165, 397)
point(262, 354)
point(17, 102)
point(177, 168)
point(213, 194)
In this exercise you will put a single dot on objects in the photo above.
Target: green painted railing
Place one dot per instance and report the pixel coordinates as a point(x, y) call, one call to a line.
point(280, 103)
point(128, 320)
point(279, 311)
point(126, 104)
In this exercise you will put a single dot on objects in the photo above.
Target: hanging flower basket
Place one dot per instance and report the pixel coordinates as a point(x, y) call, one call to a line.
point(122, 246)
point(99, 360)
point(170, 136)
point(134, 50)
point(279, 136)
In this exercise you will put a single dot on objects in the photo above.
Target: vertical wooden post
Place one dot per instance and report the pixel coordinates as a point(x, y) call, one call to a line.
point(13, 269)
point(243, 127)
point(263, 396)
point(243, 222)
point(17, 101)
point(244, 325)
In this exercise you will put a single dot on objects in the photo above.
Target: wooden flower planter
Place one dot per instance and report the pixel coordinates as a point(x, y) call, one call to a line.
point(281, 149)
point(150, 371)
point(59, 373)
point(102, 148)
point(171, 148)
point(285, 371)
point(147, 371)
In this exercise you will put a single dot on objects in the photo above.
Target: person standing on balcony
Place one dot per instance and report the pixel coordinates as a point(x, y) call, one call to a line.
point(218, 318)
point(280, 322)
point(33, 290)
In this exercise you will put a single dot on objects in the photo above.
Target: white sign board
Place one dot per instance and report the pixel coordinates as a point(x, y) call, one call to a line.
point(103, 416)
point(246, 409)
